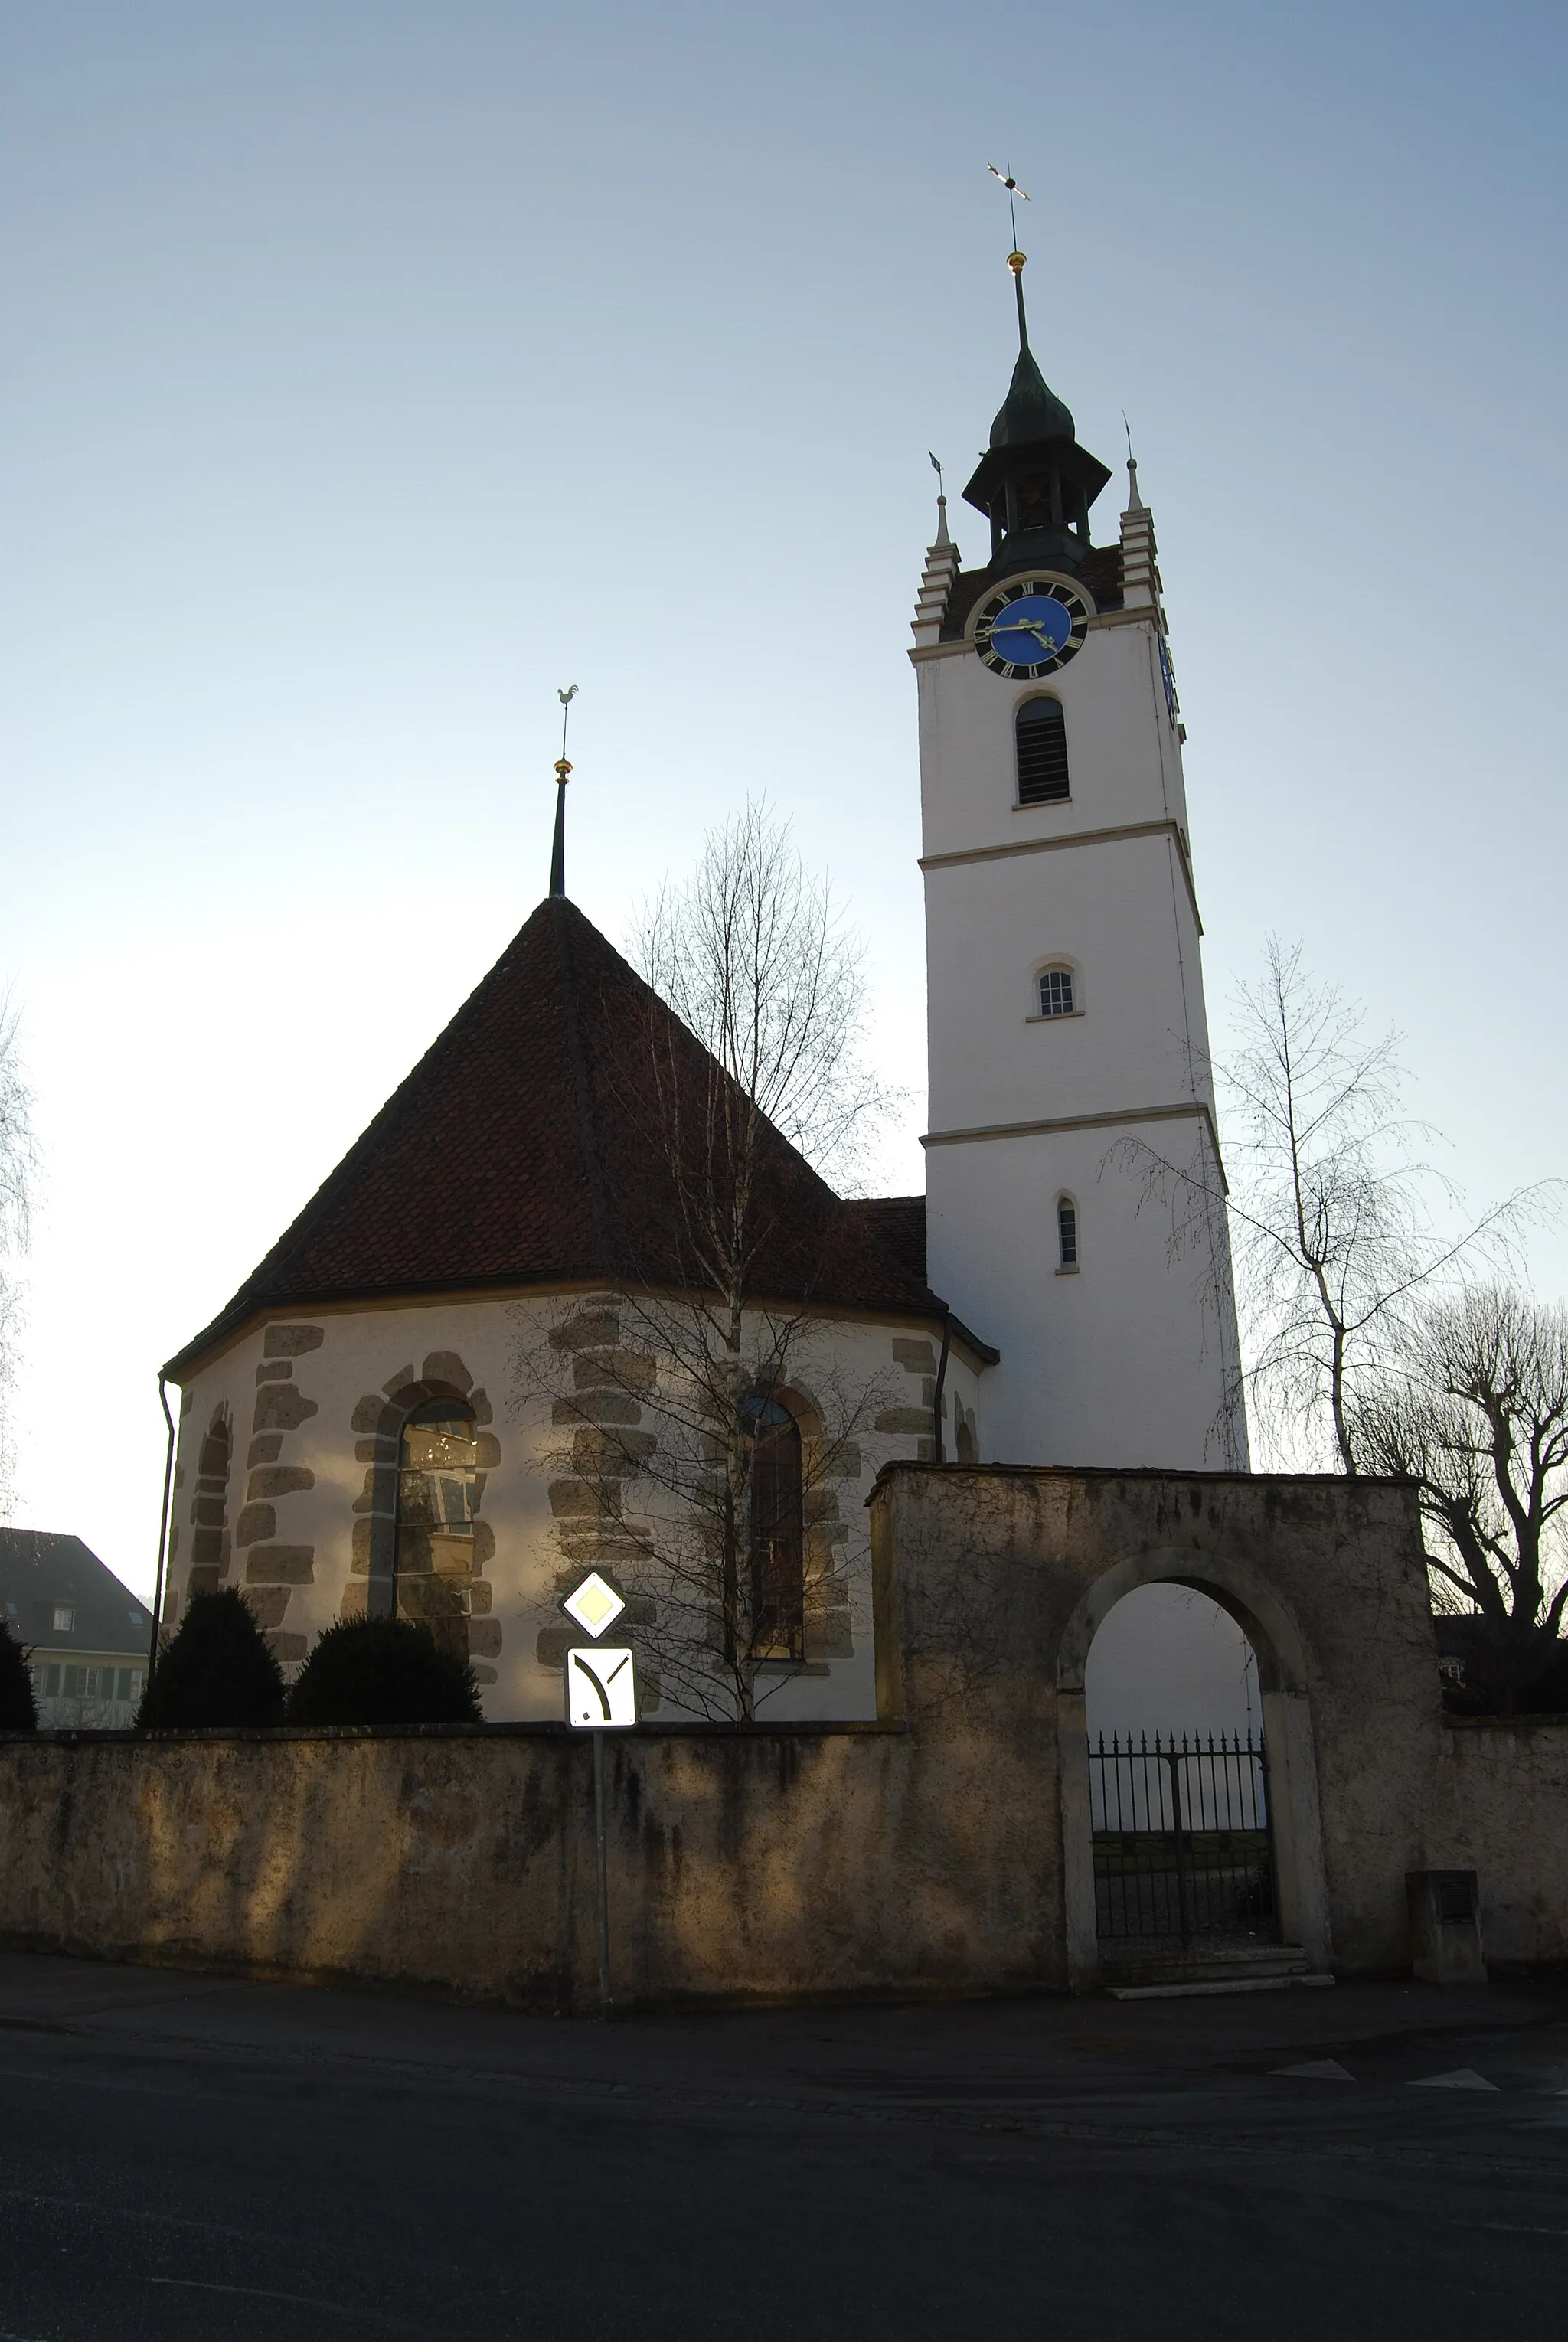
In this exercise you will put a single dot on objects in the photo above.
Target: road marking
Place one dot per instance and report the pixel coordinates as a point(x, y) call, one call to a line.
point(1316, 2069)
point(299, 2300)
point(1463, 2077)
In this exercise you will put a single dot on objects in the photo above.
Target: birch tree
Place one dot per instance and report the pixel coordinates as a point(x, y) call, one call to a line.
point(1342, 1231)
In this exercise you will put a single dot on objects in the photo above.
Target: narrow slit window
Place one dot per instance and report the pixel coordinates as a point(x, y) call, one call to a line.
point(1041, 731)
point(1066, 1234)
point(777, 1533)
point(1057, 993)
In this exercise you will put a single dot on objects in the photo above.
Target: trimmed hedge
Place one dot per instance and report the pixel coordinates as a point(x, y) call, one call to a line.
point(18, 1709)
point(385, 1671)
point(215, 1669)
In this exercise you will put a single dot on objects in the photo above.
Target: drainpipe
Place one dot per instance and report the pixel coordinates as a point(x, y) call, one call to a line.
point(163, 1527)
point(941, 1383)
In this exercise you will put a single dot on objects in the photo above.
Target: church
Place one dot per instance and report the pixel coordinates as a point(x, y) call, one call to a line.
point(463, 1373)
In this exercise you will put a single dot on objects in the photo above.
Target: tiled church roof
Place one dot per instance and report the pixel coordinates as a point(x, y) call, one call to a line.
point(530, 1146)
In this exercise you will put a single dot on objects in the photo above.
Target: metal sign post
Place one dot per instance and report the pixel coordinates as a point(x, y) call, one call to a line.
point(601, 1697)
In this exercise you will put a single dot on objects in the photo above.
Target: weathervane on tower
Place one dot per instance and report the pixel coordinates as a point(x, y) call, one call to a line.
point(1014, 258)
point(562, 774)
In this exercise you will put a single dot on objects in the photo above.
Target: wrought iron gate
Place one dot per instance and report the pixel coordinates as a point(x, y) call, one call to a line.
point(1184, 1844)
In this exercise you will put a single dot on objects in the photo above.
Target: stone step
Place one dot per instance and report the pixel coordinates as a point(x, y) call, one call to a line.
point(1249, 1966)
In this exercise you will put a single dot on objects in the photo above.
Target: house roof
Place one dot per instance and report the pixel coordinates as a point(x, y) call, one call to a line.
point(41, 1571)
point(534, 1143)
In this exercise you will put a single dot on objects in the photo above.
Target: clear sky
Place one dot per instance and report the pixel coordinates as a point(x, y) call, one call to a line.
point(373, 369)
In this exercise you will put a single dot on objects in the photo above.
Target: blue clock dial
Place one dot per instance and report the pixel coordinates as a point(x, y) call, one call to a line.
point(1031, 627)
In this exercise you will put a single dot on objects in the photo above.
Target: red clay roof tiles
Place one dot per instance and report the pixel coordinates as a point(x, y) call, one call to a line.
point(530, 1146)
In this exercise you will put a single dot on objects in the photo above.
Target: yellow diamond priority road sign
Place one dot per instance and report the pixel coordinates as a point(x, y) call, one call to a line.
point(594, 1606)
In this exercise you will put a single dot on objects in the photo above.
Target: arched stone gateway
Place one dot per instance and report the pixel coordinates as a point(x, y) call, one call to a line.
point(992, 1583)
point(1276, 1639)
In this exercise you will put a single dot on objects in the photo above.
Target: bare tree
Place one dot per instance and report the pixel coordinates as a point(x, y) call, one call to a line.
point(704, 1410)
point(752, 956)
point(1477, 1416)
point(1341, 1232)
point(18, 1175)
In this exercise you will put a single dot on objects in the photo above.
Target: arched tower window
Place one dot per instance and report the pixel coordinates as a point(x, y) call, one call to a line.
point(1066, 1232)
point(1040, 729)
point(437, 1497)
point(777, 1537)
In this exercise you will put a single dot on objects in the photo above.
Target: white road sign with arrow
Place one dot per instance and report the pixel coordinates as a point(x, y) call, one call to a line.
point(601, 1688)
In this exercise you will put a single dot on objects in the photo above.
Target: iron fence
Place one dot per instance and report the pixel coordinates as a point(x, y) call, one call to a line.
point(1183, 1840)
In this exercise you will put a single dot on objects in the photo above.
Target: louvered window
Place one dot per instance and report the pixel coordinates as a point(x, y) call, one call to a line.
point(1042, 733)
point(1067, 1233)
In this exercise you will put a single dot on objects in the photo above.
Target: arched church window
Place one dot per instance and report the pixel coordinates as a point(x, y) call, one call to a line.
point(437, 1497)
point(1066, 1232)
point(1040, 729)
point(777, 1539)
point(209, 1508)
point(1058, 991)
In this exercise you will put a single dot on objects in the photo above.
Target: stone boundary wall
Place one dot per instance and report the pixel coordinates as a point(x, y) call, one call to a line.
point(1502, 1793)
point(770, 1864)
point(943, 1849)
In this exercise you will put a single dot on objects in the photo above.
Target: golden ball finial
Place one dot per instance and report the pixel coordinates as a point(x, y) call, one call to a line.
point(1016, 261)
point(562, 769)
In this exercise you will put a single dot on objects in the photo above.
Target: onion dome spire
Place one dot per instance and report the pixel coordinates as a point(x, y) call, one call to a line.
point(1035, 483)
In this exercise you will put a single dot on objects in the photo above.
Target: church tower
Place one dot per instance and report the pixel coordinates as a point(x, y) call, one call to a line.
point(1073, 1168)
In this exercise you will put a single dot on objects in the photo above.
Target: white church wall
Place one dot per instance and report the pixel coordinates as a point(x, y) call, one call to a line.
point(1119, 914)
point(304, 1399)
point(1116, 1362)
point(1123, 754)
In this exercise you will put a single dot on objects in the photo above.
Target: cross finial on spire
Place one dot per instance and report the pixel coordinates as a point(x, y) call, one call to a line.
point(562, 774)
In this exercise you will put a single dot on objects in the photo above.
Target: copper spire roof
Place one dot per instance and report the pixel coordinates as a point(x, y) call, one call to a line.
point(531, 1146)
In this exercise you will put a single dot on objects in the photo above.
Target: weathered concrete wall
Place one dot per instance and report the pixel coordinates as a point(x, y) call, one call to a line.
point(1503, 1808)
point(944, 1848)
point(774, 1864)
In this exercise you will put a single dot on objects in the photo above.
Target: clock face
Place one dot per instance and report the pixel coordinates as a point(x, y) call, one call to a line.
point(1030, 628)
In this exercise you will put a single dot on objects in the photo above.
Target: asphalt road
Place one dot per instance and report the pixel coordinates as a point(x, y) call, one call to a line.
point(194, 2157)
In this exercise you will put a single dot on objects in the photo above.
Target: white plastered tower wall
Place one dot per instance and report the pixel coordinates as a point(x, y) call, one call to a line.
point(1131, 1358)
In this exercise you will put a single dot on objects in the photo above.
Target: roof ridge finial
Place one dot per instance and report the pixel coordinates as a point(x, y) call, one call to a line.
point(562, 774)
point(1135, 496)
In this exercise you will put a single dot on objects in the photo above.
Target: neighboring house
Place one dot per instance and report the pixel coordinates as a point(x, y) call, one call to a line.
point(87, 1637)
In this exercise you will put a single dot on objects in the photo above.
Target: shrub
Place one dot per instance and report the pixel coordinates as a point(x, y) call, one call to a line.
point(385, 1671)
point(214, 1669)
point(18, 1710)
